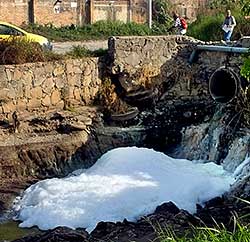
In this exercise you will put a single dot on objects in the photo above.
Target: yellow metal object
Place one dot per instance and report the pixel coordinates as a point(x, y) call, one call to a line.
point(9, 31)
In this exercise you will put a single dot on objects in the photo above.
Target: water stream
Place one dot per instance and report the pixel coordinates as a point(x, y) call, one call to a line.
point(202, 142)
point(9, 230)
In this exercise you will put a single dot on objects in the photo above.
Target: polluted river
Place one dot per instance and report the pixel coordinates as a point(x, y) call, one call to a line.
point(163, 141)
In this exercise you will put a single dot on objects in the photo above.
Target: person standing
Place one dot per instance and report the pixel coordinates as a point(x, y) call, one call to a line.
point(180, 24)
point(228, 26)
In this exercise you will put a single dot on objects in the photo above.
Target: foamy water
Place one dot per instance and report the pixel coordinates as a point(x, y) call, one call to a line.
point(124, 183)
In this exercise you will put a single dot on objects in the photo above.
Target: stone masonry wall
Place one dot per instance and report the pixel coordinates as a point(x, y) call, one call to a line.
point(43, 86)
point(160, 64)
point(131, 53)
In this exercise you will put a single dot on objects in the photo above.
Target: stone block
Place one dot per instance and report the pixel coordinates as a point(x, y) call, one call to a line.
point(17, 74)
point(46, 101)
point(69, 68)
point(70, 93)
point(85, 95)
point(18, 88)
point(87, 70)
point(74, 80)
point(49, 68)
point(133, 59)
point(48, 85)
point(59, 82)
point(27, 78)
point(38, 80)
point(3, 77)
point(9, 107)
point(86, 81)
point(36, 92)
point(21, 104)
point(9, 73)
point(55, 97)
point(7, 94)
point(39, 75)
point(33, 103)
point(60, 105)
point(77, 94)
point(59, 70)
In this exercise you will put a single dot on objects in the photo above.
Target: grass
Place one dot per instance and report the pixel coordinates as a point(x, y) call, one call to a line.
point(207, 27)
point(98, 30)
point(241, 233)
point(81, 51)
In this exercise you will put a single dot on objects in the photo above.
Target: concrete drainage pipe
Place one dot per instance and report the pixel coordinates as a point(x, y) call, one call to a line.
point(224, 84)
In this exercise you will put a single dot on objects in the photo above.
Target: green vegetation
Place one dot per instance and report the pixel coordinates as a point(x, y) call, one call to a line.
point(245, 69)
point(207, 27)
point(16, 51)
point(241, 233)
point(98, 30)
point(10, 231)
point(81, 51)
point(162, 20)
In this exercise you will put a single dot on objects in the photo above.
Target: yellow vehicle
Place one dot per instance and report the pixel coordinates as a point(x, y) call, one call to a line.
point(8, 31)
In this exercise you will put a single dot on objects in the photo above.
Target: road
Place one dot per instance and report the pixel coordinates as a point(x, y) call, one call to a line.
point(63, 47)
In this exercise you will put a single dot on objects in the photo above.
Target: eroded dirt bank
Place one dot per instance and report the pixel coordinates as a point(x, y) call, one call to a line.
point(173, 107)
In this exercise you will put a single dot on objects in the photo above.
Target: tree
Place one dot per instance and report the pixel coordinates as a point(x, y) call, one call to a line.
point(161, 10)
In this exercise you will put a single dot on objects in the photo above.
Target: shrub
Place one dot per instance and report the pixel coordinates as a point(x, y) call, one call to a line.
point(14, 51)
point(80, 52)
point(98, 30)
point(207, 27)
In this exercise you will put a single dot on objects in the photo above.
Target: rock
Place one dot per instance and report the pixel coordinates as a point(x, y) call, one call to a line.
point(166, 215)
point(167, 208)
point(60, 234)
point(48, 85)
point(240, 189)
point(46, 101)
point(36, 92)
point(59, 70)
point(130, 114)
point(55, 97)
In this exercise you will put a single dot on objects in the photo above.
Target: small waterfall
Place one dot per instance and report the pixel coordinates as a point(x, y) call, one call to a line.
point(220, 140)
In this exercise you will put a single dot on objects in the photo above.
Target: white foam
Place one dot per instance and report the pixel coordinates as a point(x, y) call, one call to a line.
point(124, 183)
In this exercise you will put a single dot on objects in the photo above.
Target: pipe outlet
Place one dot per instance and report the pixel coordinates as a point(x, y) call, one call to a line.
point(223, 85)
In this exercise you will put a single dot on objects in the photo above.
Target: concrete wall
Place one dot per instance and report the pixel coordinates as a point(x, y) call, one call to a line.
point(46, 86)
point(111, 10)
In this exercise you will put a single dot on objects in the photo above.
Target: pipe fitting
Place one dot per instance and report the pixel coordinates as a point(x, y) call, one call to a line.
point(224, 84)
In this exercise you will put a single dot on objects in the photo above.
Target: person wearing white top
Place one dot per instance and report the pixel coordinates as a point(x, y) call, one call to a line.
point(228, 26)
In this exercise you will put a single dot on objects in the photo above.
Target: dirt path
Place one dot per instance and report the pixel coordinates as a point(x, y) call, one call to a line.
point(63, 47)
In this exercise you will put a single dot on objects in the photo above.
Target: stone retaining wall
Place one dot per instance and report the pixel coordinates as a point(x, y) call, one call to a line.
point(131, 53)
point(44, 86)
point(162, 62)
